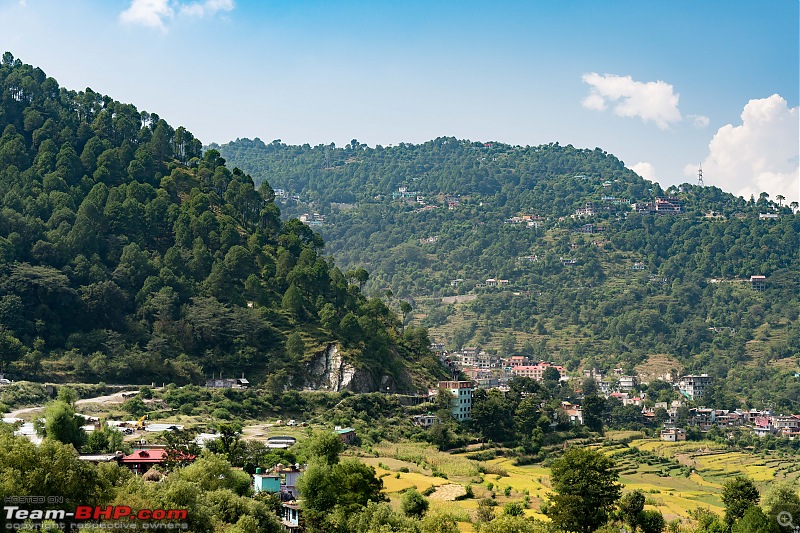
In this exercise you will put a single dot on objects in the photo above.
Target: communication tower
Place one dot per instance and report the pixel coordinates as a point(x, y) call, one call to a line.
point(700, 177)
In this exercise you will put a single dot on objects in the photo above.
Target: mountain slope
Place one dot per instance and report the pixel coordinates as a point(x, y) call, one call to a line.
point(127, 254)
point(591, 282)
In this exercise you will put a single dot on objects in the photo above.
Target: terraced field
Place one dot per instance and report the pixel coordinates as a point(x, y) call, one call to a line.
point(675, 477)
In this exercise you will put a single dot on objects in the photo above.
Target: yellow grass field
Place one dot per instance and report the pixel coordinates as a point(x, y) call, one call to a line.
point(666, 487)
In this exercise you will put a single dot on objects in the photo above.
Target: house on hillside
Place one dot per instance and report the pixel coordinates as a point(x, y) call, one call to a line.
point(758, 283)
point(587, 210)
point(228, 383)
point(626, 383)
point(290, 519)
point(573, 411)
point(348, 435)
point(425, 421)
point(518, 360)
point(668, 205)
point(673, 434)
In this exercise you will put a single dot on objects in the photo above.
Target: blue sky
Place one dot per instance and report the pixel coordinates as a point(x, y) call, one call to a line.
point(665, 86)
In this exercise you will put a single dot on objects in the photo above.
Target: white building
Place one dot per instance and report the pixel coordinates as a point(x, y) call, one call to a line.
point(693, 386)
point(462, 398)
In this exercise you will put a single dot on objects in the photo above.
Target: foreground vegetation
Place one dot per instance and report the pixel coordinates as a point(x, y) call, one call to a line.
point(410, 488)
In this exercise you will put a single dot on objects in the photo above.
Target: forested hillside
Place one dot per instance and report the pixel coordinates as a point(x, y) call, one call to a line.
point(591, 281)
point(128, 255)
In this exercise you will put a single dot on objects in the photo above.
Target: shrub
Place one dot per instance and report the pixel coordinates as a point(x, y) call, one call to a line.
point(221, 413)
point(468, 494)
point(413, 503)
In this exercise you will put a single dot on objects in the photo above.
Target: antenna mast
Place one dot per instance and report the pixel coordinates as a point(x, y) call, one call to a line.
point(700, 177)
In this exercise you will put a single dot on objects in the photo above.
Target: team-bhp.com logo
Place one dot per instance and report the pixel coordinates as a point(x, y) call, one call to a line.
point(121, 516)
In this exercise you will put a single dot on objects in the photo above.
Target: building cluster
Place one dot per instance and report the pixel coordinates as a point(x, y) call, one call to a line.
point(663, 205)
point(618, 383)
point(284, 196)
point(762, 423)
point(412, 197)
point(608, 204)
point(691, 386)
point(490, 370)
point(486, 370)
point(312, 220)
point(531, 221)
point(590, 229)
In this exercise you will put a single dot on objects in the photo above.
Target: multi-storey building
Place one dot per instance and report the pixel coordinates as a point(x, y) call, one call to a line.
point(693, 386)
point(462, 398)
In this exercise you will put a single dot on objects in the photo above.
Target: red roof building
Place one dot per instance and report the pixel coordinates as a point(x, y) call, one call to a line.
point(140, 461)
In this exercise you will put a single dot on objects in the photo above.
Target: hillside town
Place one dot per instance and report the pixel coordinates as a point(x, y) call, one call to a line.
point(482, 370)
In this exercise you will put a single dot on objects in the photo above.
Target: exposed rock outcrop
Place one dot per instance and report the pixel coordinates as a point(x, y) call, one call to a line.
point(329, 371)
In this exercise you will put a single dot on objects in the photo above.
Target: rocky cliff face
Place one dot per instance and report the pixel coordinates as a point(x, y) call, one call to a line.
point(329, 371)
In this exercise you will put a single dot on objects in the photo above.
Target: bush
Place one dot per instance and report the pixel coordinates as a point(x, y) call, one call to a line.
point(513, 509)
point(468, 494)
point(134, 406)
point(223, 414)
point(413, 503)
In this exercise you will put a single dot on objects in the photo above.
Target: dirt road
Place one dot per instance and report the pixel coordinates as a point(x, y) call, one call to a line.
point(115, 398)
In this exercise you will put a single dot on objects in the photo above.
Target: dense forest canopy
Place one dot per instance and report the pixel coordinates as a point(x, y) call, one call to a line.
point(128, 254)
point(591, 281)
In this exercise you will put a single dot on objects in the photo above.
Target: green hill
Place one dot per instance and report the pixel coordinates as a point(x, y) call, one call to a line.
point(128, 255)
point(591, 281)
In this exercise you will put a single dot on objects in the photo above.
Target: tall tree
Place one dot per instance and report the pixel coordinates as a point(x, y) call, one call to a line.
point(738, 494)
point(630, 505)
point(586, 490)
point(62, 424)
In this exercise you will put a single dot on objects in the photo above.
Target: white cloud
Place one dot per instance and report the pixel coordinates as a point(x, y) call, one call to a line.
point(594, 102)
point(760, 155)
point(699, 121)
point(645, 170)
point(653, 101)
point(155, 13)
point(149, 13)
point(209, 7)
